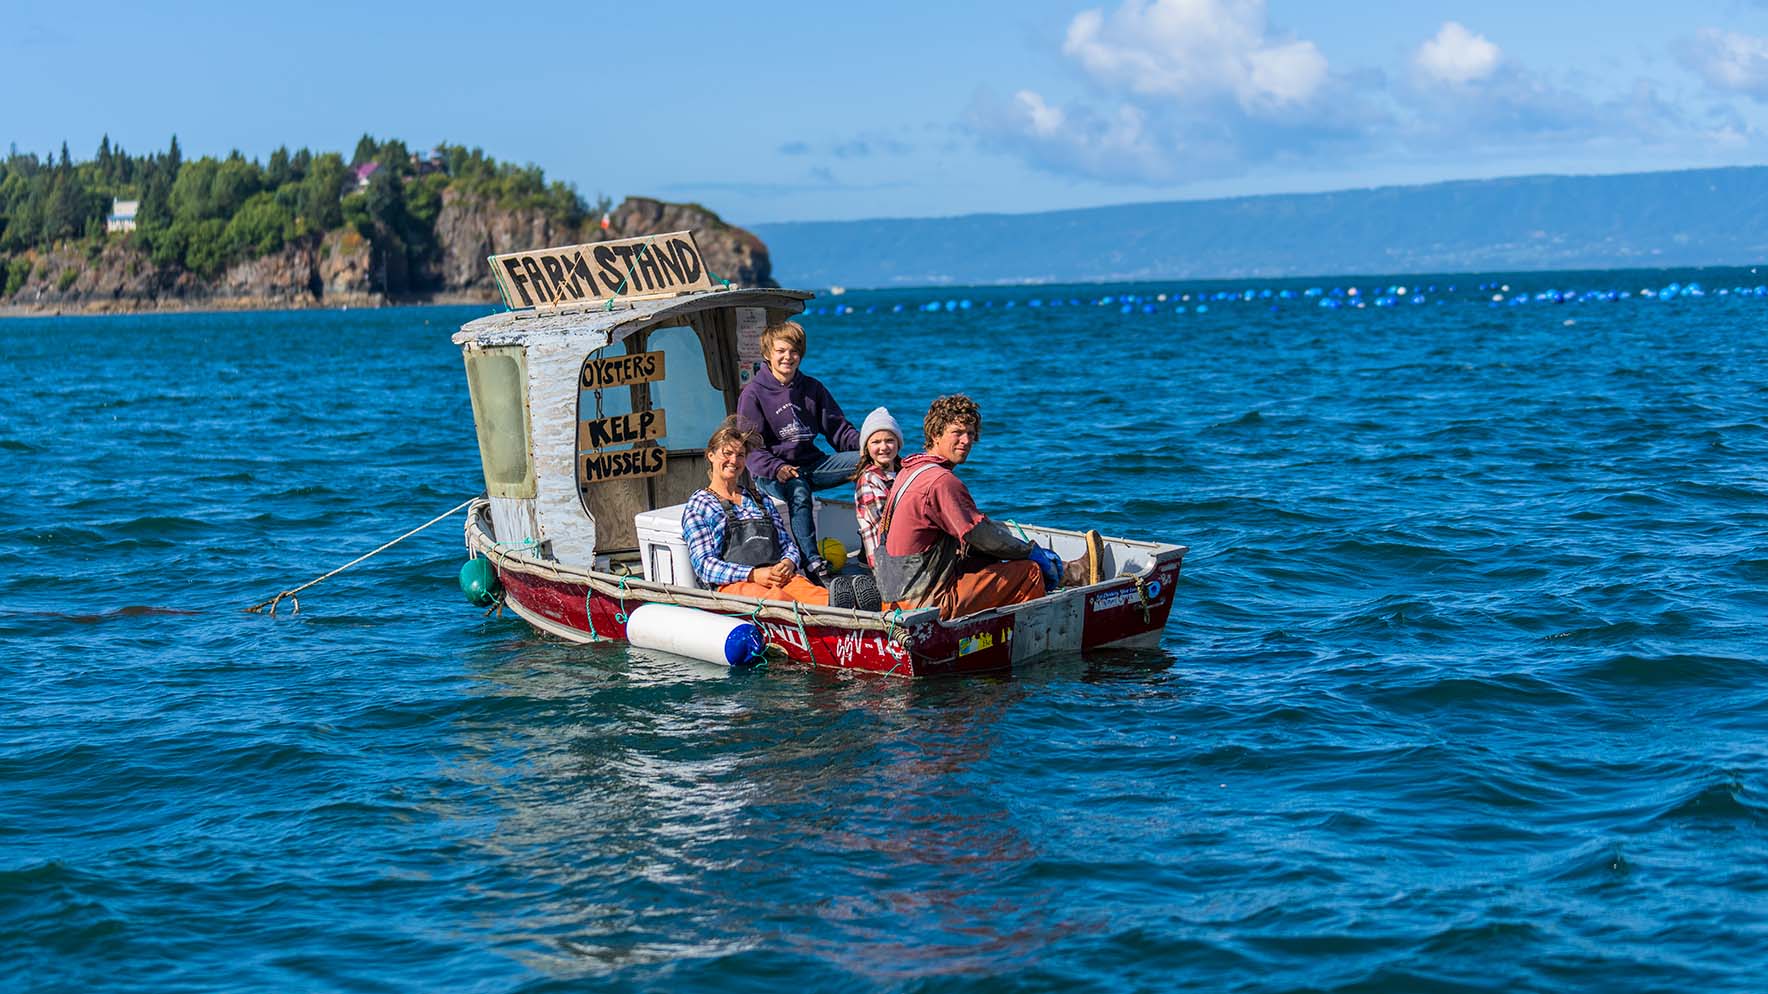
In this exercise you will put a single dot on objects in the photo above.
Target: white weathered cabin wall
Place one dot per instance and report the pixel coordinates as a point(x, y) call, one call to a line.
point(554, 366)
point(512, 520)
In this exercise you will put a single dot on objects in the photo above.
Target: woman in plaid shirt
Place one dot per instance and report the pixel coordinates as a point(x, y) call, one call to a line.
point(737, 542)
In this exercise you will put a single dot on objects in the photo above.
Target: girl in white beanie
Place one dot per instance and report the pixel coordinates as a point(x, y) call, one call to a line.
point(880, 456)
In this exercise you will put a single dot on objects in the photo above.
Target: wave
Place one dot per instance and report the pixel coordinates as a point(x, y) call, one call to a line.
point(1727, 800)
point(1674, 671)
point(100, 617)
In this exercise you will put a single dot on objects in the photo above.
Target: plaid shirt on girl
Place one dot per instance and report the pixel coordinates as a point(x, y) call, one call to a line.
point(869, 495)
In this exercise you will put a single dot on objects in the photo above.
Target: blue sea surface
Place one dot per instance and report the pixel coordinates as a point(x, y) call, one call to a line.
point(1465, 686)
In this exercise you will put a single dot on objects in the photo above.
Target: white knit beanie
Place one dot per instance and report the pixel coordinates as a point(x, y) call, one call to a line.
point(879, 420)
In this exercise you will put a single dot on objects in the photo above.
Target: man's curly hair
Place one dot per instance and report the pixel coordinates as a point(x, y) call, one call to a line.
point(948, 409)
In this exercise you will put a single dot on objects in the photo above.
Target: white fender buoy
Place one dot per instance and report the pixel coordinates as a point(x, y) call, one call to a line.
point(702, 635)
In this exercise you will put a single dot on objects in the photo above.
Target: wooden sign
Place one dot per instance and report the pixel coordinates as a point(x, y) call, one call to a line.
point(621, 370)
point(649, 266)
point(639, 426)
point(626, 464)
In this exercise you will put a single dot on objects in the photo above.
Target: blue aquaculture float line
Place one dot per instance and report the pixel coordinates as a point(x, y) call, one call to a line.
point(1328, 298)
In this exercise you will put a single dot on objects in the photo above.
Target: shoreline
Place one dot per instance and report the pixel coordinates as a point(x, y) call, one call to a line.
point(124, 307)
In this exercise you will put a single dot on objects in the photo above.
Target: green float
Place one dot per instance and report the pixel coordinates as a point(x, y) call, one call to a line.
point(478, 580)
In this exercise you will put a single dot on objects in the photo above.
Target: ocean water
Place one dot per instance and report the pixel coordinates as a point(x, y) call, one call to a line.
point(1465, 688)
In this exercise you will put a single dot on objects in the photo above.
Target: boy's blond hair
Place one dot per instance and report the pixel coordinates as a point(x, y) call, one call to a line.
point(790, 332)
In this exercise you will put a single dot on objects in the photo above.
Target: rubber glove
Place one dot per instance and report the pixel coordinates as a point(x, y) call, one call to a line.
point(1051, 565)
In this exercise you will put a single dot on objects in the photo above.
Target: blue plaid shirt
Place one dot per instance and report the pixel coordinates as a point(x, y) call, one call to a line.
point(702, 525)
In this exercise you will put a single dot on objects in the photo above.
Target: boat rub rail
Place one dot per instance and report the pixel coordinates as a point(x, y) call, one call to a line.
point(635, 587)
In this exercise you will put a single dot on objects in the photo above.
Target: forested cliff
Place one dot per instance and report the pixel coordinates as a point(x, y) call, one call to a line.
point(303, 230)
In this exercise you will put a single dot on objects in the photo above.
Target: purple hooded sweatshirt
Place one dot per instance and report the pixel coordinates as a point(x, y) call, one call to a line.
point(790, 417)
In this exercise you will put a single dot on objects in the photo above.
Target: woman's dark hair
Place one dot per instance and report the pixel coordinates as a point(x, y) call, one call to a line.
point(734, 430)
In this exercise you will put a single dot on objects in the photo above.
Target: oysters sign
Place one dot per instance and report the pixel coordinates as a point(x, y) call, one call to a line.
point(650, 266)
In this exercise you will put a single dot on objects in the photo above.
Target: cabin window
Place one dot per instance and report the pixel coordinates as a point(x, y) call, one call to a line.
point(692, 404)
point(497, 380)
point(615, 401)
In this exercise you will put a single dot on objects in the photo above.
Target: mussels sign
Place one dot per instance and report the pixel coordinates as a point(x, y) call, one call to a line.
point(626, 464)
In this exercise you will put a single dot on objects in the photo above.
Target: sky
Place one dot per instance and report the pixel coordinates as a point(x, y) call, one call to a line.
point(825, 111)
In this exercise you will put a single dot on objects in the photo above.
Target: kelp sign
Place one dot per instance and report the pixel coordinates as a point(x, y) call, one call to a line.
point(650, 266)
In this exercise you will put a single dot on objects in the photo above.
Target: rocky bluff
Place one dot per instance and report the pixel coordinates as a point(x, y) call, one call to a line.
point(344, 268)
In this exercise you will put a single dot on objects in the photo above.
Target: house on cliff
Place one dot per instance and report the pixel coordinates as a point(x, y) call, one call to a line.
point(122, 215)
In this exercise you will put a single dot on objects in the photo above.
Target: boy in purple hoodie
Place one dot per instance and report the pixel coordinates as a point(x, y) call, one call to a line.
point(790, 410)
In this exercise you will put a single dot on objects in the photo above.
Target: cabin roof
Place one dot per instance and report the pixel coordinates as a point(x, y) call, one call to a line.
point(626, 317)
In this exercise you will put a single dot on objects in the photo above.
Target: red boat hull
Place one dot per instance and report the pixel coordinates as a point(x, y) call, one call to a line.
point(1120, 612)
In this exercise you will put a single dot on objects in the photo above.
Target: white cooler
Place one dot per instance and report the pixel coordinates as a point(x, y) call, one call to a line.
point(663, 553)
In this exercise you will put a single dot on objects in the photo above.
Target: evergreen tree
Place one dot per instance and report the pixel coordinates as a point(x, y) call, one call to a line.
point(67, 208)
point(366, 148)
point(320, 188)
point(279, 171)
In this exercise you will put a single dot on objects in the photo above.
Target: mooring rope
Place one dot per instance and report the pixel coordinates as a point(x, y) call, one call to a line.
point(290, 594)
point(798, 616)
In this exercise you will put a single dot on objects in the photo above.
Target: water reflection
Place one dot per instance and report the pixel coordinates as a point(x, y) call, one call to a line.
point(627, 808)
point(1101, 666)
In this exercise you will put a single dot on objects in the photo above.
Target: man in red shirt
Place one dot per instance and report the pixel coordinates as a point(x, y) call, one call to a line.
point(938, 548)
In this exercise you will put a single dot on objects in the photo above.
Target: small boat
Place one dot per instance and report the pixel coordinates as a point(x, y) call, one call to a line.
point(593, 397)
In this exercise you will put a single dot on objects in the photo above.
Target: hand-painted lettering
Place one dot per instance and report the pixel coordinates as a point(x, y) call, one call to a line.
point(581, 282)
point(646, 258)
point(648, 265)
point(644, 367)
point(611, 278)
point(620, 429)
point(555, 272)
point(599, 467)
point(537, 279)
point(629, 279)
point(519, 280)
point(688, 257)
point(665, 256)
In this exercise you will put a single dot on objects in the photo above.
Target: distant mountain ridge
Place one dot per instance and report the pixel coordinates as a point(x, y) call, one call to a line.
point(1684, 218)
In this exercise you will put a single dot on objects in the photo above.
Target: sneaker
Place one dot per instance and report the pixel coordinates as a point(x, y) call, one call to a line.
point(819, 573)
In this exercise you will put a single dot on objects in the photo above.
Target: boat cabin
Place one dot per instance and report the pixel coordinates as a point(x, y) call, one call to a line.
point(593, 410)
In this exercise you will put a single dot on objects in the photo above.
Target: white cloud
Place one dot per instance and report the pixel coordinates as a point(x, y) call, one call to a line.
point(1190, 90)
point(1041, 119)
point(1729, 61)
point(1115, 147)
point(1197, 51)
point(1457, 56)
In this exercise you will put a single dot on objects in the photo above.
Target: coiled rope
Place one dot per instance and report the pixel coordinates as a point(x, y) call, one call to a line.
point(290, 594)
